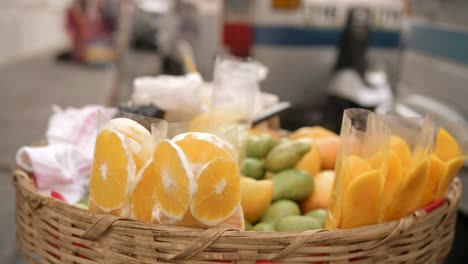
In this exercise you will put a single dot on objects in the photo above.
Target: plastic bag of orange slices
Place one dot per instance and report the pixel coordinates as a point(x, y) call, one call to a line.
point(360, 170)
point(166, 176)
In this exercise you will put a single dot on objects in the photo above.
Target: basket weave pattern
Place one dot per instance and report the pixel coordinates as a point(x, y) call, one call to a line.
point(49, 231)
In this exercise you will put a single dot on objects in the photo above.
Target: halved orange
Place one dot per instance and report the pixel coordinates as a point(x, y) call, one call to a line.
point(112, 172)
point(201, 148)
point(218, 192)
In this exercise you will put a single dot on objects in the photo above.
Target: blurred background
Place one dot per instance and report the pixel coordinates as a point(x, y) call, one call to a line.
point(405, 56)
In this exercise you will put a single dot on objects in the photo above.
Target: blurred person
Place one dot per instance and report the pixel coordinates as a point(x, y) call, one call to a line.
point(89, 22)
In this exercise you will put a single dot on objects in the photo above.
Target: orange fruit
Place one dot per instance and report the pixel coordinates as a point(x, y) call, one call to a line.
point(112, 173)
point(314, 132)
point(403, 151)
point(446, 147)
point(201, 148)
point(321, 196)
point(328, 150)
point(311, 162)
point(218, 192)
point(255, 197)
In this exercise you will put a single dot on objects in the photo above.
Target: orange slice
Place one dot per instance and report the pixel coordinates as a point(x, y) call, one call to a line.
point(172, 181)
point(446, 147)
point(112, 172)
point(143, 199)
point(218, 195)
point(141, 143)
point(201, 148)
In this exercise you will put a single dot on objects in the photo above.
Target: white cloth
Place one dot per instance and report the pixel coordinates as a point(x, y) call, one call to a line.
point(64, 164)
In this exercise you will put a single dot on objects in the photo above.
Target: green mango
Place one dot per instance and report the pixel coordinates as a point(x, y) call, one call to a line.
point(318, 214)
point(297, 223)
point(259, 146)
point(247, 225)
point(253, 168)
point(286, 155)
point(278, 210)
point(292, 184)
point(263, 227)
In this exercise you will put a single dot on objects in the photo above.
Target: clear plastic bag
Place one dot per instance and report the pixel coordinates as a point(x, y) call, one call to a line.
point(360, 171)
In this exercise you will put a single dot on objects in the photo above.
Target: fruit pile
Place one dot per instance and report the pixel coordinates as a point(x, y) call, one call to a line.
point(192, 180)
point(286, 182)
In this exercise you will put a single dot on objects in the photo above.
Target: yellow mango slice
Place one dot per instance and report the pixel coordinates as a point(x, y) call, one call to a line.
point(352, 167)
point(393, 183)
point(452, 169)
point(361, 200)
point(408, 200)
point(402, 149)
point(377, 160)
point(446, 147)
point(436, 171)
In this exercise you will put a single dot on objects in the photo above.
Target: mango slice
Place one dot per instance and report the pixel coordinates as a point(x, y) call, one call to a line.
point(393, 183)
point(361, 200)
point(402, 150)
point(446, 147)
point(436, 171)
point(351, 167)
point(408, 200)
point(452, 169)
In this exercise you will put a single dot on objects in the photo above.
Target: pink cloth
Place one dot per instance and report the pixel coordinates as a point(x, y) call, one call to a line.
point(65, 164)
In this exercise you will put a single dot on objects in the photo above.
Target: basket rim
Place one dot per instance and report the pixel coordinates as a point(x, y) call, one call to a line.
point(24, 184)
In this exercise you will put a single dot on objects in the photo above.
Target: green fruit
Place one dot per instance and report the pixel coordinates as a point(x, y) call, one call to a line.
point(318, 214)
point(278, 210)
point(253, 168)
point(286, 155)
point(297, 223)
point(247, 225)
point(292, 184)
point(259, 146)
point(263, 227)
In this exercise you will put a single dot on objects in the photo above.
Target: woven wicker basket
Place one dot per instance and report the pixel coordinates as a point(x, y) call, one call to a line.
point(49, 231)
